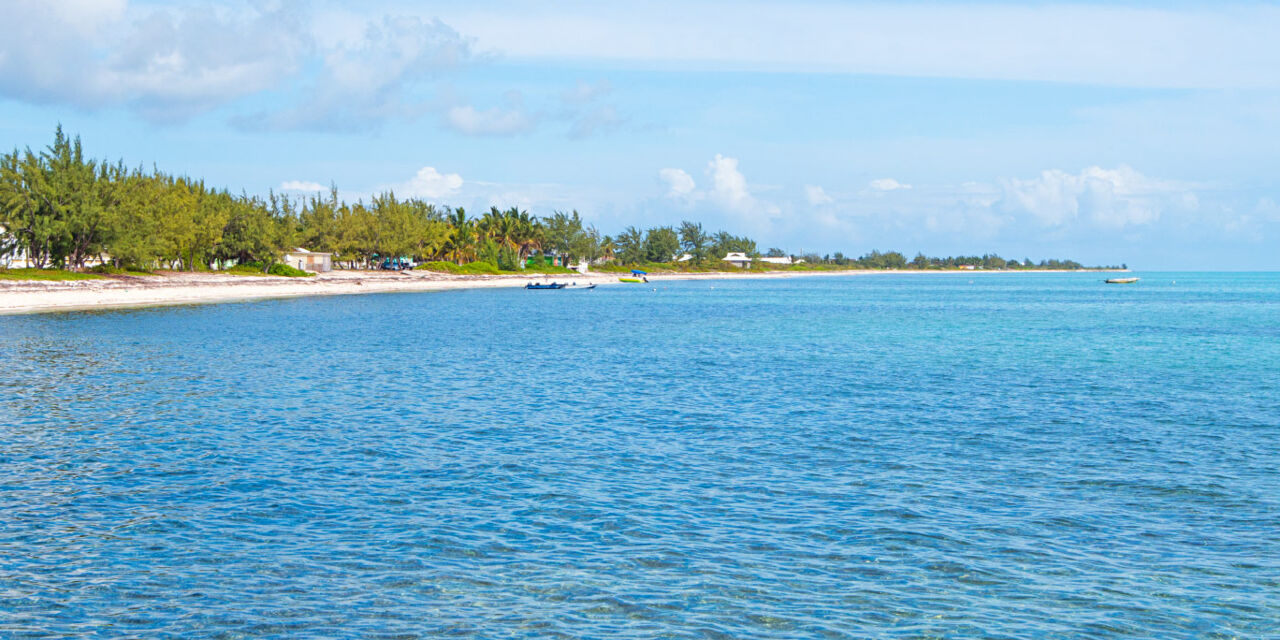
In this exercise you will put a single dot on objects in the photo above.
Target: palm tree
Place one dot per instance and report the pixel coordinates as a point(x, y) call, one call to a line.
point(461, 244)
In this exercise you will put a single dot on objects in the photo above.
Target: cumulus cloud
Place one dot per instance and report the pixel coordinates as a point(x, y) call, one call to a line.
point(1113, 198)
point(382, 75)
point(430, 183)
point(167, 63)
point(679, 183)
point(728, 190)
point(887, 184)
point(302, 185)
point(729, 186)
point(817, 195)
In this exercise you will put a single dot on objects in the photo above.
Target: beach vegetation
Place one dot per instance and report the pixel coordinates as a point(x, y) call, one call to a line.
point(268, 269)
point(112, 270)
point(48, 275)
point(62, 210)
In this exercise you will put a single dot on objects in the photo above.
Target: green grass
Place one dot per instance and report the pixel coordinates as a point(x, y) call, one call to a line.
point(46, 275)
point(469, 269)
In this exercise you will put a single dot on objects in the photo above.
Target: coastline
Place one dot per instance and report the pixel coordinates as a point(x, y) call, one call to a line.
point(116, 292)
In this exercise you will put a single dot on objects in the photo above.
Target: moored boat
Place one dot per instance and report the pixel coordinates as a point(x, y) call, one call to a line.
point(553, 285)
point(631, 280)
point(1121, 280)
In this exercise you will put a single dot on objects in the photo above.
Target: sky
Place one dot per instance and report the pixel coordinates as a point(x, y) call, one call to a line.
point(1144, 133)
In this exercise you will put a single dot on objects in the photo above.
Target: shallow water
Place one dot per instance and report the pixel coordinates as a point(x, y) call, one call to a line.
point(892, 456)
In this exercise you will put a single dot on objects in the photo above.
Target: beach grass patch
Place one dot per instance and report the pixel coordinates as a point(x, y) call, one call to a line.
point(277, 269)
point(478, 268)
point(46, 275)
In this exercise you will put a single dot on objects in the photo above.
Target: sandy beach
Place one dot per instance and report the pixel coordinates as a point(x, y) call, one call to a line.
point(177, 288)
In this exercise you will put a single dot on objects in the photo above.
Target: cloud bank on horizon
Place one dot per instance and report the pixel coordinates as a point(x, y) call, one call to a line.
point(1106, 132)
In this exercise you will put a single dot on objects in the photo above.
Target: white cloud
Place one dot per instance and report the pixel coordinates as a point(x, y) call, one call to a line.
point(488, 122)
point(385, 74)
point(302, 185)
point(729, 186)
point(1216, 45)
point(1111, 198)
point(817, 195)
point(166, 63)
point(170, 63)
point(729, 191)
point(430, 183)
point(887, 184)
point(679, 183)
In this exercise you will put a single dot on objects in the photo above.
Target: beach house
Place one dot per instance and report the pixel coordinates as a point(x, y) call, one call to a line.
point(12, 256)
point(738, 259)
point(313, 261)
point(782, 260)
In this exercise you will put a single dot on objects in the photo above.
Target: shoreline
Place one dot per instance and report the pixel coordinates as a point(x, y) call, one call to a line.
point(18, 297)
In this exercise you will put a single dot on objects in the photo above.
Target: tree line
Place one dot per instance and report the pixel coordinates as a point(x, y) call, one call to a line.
point(63, 210)
point(896, 260)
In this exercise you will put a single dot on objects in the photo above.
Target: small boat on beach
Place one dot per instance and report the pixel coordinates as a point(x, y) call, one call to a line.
point(559, 285)
point(1121, 280)
point(636, 277)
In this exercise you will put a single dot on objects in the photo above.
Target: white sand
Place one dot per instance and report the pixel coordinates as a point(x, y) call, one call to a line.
point(26, 296)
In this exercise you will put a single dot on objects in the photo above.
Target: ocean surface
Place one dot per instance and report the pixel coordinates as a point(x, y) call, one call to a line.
point(887, 456)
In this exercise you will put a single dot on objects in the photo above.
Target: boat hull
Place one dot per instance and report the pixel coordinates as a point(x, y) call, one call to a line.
point(1121, 280)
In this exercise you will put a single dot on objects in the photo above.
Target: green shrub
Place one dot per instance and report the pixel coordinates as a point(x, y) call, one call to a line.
point(281, 269)
point(439, 266)
point(277, 269)
point(508, 259)
point(109, 270)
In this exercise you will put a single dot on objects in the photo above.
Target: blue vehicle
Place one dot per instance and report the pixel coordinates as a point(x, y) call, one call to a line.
point(395, 264)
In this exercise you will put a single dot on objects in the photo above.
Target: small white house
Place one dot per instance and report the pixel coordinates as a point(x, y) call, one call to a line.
point(783, 260)
point(15, 260)
point(313, 261)
point(738, 259)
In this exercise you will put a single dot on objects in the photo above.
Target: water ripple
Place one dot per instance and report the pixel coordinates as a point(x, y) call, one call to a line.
point(890, 457)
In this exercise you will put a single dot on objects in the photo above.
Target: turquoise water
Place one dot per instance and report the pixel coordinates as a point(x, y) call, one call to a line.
point(894, 456)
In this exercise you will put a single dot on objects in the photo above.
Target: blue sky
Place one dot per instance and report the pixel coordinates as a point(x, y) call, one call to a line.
point(1140, 132)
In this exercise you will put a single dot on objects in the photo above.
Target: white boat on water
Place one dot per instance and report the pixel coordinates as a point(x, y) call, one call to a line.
point(1121, 280)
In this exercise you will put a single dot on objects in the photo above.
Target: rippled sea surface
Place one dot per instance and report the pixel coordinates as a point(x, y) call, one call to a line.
point(889, 456)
